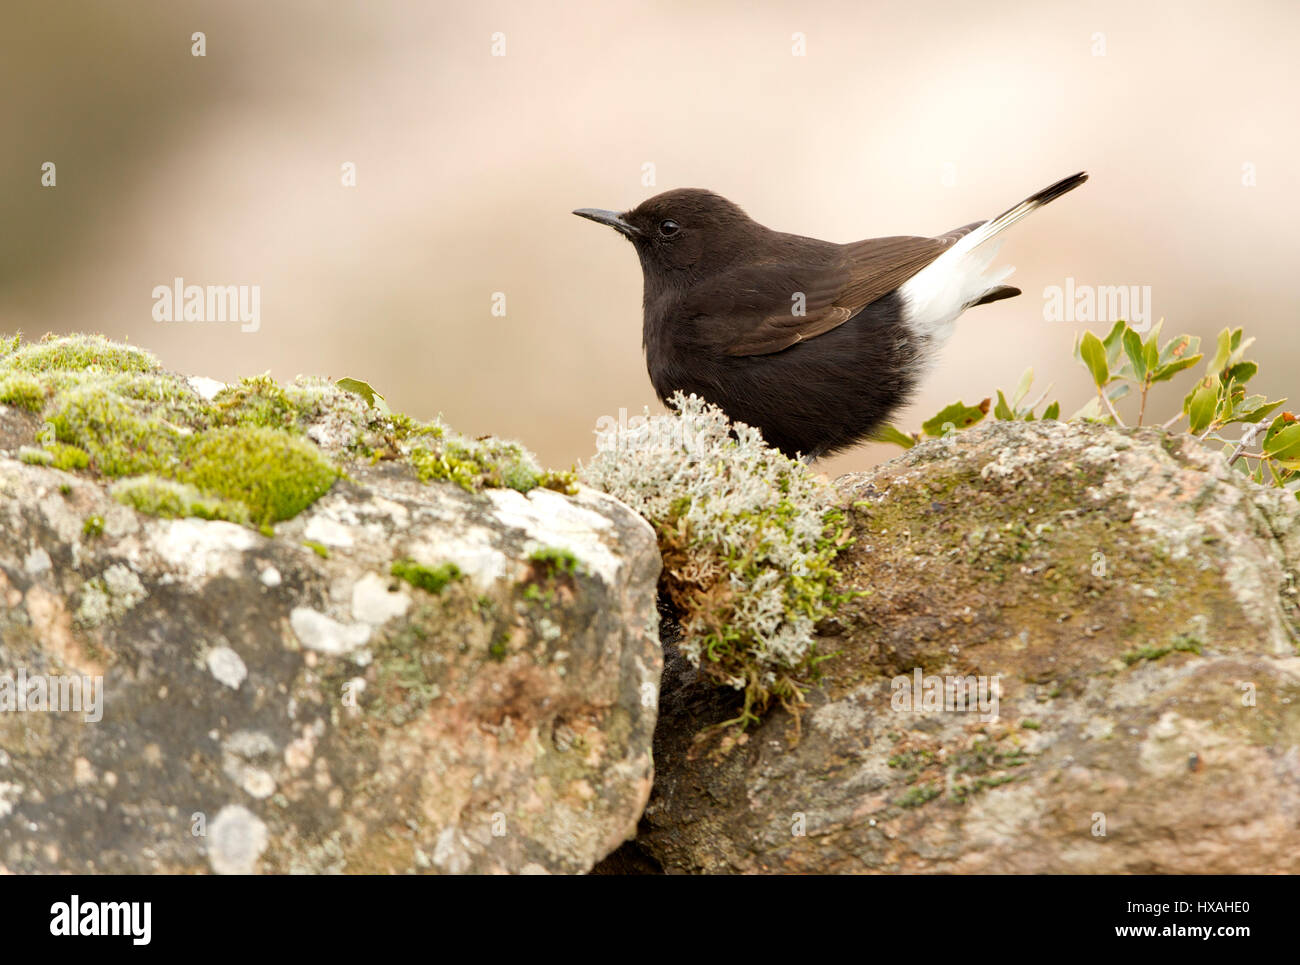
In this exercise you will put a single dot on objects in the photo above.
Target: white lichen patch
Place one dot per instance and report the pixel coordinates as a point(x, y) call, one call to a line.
point(374, 603)
point(236, 840)
point(324, 634)
point(227, 666)
point(329, 532)
point(10, 794)
point(206, 388)
point(201, 549)
point(110, 596)
point(37, 562)
point(550, 519)
point(470, 548)
point(840, 719)
point(246, 758)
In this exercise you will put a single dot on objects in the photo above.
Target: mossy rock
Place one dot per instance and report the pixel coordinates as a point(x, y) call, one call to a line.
point(256, 453)
point(1134, 599)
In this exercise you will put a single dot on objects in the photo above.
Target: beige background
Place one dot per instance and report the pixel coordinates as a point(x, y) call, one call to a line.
point(226, 170)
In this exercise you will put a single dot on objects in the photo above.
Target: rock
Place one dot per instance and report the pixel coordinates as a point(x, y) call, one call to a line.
point(282, 703)
point(1135, 601)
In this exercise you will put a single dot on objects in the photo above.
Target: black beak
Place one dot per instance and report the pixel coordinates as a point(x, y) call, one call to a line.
point(611, 218)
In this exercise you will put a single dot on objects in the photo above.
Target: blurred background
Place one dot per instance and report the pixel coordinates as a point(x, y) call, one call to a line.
point(475, 128)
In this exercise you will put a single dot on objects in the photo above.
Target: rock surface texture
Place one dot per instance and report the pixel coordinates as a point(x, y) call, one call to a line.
point(1135, 602)
point(285, 704)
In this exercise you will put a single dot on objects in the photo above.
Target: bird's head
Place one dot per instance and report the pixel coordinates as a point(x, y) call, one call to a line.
point(683, 234)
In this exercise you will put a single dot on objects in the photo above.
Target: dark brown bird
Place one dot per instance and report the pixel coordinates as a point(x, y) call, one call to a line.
point(814, 343)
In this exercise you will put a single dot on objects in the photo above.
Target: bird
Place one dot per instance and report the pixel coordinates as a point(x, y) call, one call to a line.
point(813, 343)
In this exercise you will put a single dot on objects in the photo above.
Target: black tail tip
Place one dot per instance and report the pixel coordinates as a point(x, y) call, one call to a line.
point(1063, 186)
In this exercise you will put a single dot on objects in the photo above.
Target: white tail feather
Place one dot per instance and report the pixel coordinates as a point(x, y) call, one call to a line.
point(942, 290)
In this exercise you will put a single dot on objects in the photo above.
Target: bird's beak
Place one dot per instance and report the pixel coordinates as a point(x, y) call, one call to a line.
point(610, 218)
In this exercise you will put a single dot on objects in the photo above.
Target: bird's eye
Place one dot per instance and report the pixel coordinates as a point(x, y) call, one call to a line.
point(668, 228)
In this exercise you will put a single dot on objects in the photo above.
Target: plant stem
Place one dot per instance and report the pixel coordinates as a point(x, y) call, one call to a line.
point(1104, 398)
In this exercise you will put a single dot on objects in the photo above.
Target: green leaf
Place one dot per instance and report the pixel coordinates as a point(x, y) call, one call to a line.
point(1242, 372)
point(1002, 410)
point(1167, 372)
point(366, 391)
point(1114, 342)
point(958, 416)
point(888, 433)
point(1053, 411)
point(1090, 411)
point(1252, 411)
point(1093, 353)
point(1284, 445)
point(1136, 354)
point(1022, 389)
point(1178, 347)
point(1221, 354)
point(1201, 405)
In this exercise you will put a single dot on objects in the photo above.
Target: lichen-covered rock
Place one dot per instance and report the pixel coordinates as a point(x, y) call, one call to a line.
point(283, 702)
point(1125, 605)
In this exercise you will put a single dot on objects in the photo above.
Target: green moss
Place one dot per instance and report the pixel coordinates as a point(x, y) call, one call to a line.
point(565, 481)
point(275, 475)
point(22, 391)
point(93, 527)
point(474, 465)
point(432, 579)
point(257, 401)
point(500, 647)
point(320, 549)
point(1180, 643)
point(69, 458)
point(173, 500)
point(120, 436)
point(116, 412)
point(77, 353)
point(919, 795)
point(35, 457)
point(553, 560)
point(535, 594)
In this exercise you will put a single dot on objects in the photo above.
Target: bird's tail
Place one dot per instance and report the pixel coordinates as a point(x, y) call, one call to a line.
point(957, 279)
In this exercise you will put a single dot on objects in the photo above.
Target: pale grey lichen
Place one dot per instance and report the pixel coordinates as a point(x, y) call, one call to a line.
point(747, 534)
point(109, 596)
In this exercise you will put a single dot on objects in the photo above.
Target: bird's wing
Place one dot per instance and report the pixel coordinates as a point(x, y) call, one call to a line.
point(768, 309)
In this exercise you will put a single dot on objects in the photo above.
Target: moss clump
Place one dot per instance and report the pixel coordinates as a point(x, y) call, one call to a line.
point(565, 481)
point(78, 353)
point(553, 560)
point(432, 579)
point(482, 464)
point(1181, 643)
point(69, 458)
point(35, 457)
point(320, 549)
point(121, 436)
point(22, 391)
point(93, 527)
point(274, 474)
point(257, 401)
point(917, 796)
point(115, 412)
point(173, 500)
